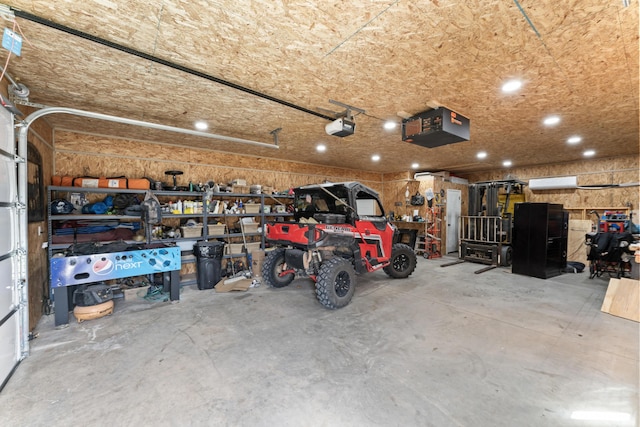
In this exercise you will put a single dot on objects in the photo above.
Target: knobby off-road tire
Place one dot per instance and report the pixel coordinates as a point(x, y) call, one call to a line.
point(336, 283)
point(272, 267)
point(403, 261)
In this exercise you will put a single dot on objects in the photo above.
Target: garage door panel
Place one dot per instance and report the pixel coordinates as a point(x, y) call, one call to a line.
point(12, 266)
point(7, 287)
point(8, 178)
point(7, 224)
point(9, 356)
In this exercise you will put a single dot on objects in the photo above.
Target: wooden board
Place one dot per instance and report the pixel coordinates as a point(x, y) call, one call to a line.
point(623, 299)
point(576, 249)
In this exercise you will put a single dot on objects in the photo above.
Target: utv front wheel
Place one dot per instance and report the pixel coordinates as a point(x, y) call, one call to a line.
point(336, 283)
point(403, 261)
point(272, 269)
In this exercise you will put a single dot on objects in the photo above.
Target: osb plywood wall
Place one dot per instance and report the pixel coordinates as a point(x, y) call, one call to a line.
point(593, 173)
point(395, 190)
point(41, 136)
point(79, 154)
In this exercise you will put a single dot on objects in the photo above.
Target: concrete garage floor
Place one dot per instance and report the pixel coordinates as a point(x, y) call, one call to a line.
point(445, 347)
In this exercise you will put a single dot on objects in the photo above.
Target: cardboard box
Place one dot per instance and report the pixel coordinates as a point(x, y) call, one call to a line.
point(234, 248)
point(250, 227)
point(252, 208)
point(240, 189)
point(253, 247)
point(257, 259)
point(192, 231)
point(238, 248)
point(216, 229)
point(233, 284)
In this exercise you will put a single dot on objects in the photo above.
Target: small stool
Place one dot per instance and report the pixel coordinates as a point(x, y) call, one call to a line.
point(174, 174)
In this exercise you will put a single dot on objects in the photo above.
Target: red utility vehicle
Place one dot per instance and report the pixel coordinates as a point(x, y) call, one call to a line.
point(339, 229)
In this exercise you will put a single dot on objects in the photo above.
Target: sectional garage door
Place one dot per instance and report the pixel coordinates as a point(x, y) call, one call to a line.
point(12, 253)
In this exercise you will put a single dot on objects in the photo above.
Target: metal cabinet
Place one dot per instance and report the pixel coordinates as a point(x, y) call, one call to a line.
point(540, 239)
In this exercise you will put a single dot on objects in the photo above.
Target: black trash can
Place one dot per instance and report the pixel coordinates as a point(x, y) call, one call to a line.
point(208, 263)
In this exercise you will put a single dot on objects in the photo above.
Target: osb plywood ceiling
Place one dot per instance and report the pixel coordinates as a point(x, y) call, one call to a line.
point(577, 59)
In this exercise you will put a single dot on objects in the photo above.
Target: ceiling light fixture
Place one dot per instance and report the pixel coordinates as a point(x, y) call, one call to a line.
point(390, 125)
point(415, 166)
point(482, 155)
point(574, 139)
point(201, 125)
point(589, 153)
point(321, 148)
point(511, 86)
point(375, 157)
point(507, 163)
point(551, 121)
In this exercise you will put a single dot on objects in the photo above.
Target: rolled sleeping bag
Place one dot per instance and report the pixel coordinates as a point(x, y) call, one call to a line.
point(98, 208)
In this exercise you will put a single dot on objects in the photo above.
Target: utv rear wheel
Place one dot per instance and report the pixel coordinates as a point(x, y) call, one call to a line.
point(403, 261)
point(272, 269)
point(336, 283)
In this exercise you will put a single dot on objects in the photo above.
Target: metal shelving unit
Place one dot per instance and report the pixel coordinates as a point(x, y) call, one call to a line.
point(206, 216)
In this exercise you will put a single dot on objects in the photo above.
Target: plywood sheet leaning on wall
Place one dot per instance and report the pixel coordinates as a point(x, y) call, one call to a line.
point(576, 249)
point(623, 299)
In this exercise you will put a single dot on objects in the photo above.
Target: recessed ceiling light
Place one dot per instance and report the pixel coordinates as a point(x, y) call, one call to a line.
point(574, 139)
point(375, 157)
point(507, 163)
point(390, 125)
point(481, 155)
point(415, 166)
point(511, 86)
point(321, 148)
point(201, 125)
point(589, 153)
point(551, 120)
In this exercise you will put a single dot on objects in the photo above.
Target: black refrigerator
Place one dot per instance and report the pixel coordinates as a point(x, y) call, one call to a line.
point(539, 239)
